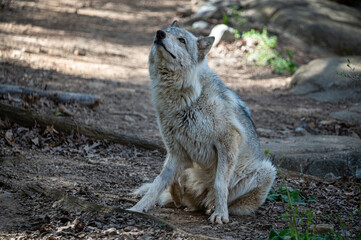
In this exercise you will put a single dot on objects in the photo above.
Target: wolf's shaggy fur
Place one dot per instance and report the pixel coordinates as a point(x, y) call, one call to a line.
point(213, 158)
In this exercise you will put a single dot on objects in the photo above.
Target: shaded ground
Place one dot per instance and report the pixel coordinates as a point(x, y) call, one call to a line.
point(103, 173)
point(101, 47)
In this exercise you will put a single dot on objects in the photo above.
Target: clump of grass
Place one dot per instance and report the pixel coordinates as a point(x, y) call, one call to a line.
point(265, 54)
point(299, 222)
point(236, 16)
point(351, 74)
point(287, 195)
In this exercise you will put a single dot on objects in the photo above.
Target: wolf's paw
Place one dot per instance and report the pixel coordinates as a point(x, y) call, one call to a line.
point(219, 218)
point(137, 209)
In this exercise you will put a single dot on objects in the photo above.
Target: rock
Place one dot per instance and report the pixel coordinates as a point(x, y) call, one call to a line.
point(319, 80)
point(331, 26)
point(208, 11)
point(305, 129)
point(200, 25)
point(184, 11)
point(322, 229)
point(224, 32)
point(301, 131)
point(351, 115)
point(316, 155)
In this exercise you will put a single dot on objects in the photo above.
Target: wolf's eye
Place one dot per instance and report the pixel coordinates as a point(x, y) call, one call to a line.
point(182, 40)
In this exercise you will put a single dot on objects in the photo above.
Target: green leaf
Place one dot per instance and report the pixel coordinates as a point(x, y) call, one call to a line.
point(311, 199)
point(225, 19)
point(57, 113)
point(273, 234)
point(285, 232)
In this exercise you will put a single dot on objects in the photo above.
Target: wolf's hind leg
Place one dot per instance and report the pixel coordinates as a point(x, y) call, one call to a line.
point(173, 194)
point(251, 192)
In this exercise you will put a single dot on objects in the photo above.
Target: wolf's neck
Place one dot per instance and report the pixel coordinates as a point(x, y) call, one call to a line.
point(174, 90)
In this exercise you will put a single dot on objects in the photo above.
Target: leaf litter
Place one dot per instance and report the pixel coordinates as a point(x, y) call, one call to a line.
point(104, 173)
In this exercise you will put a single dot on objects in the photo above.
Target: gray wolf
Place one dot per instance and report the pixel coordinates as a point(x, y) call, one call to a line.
point(213, 161)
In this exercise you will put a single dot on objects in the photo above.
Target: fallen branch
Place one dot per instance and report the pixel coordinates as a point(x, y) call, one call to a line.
point(84, 99)
point(27, 118)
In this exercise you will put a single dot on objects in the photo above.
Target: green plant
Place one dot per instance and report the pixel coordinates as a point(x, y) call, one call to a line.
point(286, 195)
point(299, 222)
point(57, 113)
point(263, 39)
point(264, 54)
point(352, 72)
point(234, 14)
point(237, 16)
point(268, 153)
point(225, 19)
point(284, 65)
point(236, 34)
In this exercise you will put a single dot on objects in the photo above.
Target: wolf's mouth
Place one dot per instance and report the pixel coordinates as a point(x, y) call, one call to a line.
point(161, 44)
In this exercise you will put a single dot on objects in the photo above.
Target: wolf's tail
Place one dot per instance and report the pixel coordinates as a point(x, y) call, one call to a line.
point(142, 190)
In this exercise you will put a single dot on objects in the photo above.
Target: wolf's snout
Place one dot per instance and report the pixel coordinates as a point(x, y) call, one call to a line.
point(161, 35)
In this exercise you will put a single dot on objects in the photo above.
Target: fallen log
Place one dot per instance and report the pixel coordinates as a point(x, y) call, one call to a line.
point(60, 96)
point(28, 118)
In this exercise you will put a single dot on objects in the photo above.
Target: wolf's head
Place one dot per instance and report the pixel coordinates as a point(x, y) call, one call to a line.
point(178, 48)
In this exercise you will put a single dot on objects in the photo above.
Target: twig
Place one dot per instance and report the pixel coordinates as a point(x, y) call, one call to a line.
point(84, 99)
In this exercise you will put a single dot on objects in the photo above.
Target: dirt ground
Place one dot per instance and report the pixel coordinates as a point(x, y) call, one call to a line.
point(101, 48)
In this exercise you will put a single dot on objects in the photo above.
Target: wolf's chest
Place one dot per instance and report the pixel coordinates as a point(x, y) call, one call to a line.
point(195, 131)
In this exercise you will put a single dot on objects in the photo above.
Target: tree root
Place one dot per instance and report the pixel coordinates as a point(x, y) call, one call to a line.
point(28, 118)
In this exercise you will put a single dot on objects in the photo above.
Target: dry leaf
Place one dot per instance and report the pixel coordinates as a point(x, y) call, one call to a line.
point(50, 130)
point(5, 124)
point(9, 137)
point(35, 141)
point(65, 111)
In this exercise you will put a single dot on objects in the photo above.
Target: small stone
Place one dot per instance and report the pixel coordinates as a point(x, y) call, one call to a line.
point(358, 173)
point(355, 135)
point(331, 176)
point(128, 118)
point(207, 11)
point(111, 231)
point(79, 52)
point(301, 130)
point(234, 223)
point(184, 11)
point(327, 122)
point(200, 25)
point(322, 228)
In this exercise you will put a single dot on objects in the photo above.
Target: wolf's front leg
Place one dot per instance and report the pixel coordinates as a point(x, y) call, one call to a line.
point(172, 167)
point(225, 167)
point(220, 214)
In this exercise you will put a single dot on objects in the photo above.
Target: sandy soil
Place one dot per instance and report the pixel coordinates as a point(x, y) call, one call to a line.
point(101, 48)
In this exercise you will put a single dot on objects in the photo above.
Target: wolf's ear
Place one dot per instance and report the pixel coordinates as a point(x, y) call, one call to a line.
point(174, 24)
point(204, 44)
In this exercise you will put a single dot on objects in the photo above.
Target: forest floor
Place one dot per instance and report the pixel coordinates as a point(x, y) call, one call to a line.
point(101, 48)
